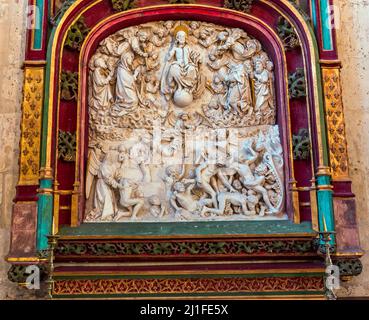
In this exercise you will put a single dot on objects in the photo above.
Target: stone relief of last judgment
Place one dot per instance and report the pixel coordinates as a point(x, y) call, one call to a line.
point(182, 127)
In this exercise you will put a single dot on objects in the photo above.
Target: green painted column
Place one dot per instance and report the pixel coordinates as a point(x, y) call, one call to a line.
point(44, 215)
point(325, 204)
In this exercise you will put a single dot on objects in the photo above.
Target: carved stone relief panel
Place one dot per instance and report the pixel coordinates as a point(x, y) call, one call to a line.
point(182, 126)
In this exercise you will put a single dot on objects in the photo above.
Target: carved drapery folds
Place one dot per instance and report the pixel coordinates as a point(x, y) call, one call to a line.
point(182, 126)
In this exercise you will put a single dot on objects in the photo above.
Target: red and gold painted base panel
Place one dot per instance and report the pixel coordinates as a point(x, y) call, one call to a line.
point(201, 279)
point(189, 286)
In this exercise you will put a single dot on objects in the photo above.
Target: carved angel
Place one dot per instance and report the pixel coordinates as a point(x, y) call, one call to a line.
point(240, 45)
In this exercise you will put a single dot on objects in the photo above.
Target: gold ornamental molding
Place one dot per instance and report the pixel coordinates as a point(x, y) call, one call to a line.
point(203, 286)
point(31, 125)
point(335, 123)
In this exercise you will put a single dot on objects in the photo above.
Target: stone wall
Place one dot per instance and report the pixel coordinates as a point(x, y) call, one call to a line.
point(353, 45)
point(12, 31)
point(353, 39)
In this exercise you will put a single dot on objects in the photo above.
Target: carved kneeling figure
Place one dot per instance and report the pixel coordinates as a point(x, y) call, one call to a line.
point(134, 205)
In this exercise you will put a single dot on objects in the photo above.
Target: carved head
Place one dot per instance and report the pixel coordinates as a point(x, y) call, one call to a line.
point(159, 32)
point(179, 187)
point(237, 184)
point(122, 153)
point(261, 61)
point(168, 24)
point(181, 37)
point(194, 25)
point(222, 36)
point(142, 36)
point(172, 171)
point(100, 63)
point(154, 201)
point(205, 33)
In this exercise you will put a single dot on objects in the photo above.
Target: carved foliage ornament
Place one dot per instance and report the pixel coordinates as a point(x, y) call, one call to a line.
point(123, 5)
point(181, 248)
point(301, 145)
point(239, 5)
point(76, 34)
point(69, 85)
point(297, 84)
point(349, 267)
point(67, 146)
point(60, 11)
point(288, 34)
point(18, 273)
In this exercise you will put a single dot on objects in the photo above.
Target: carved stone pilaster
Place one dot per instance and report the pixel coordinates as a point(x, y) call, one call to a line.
point(31, 125)
point(335, 122)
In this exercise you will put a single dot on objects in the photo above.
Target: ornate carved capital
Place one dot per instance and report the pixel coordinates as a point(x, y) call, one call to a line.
point(348, 268)
point(18, 273)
